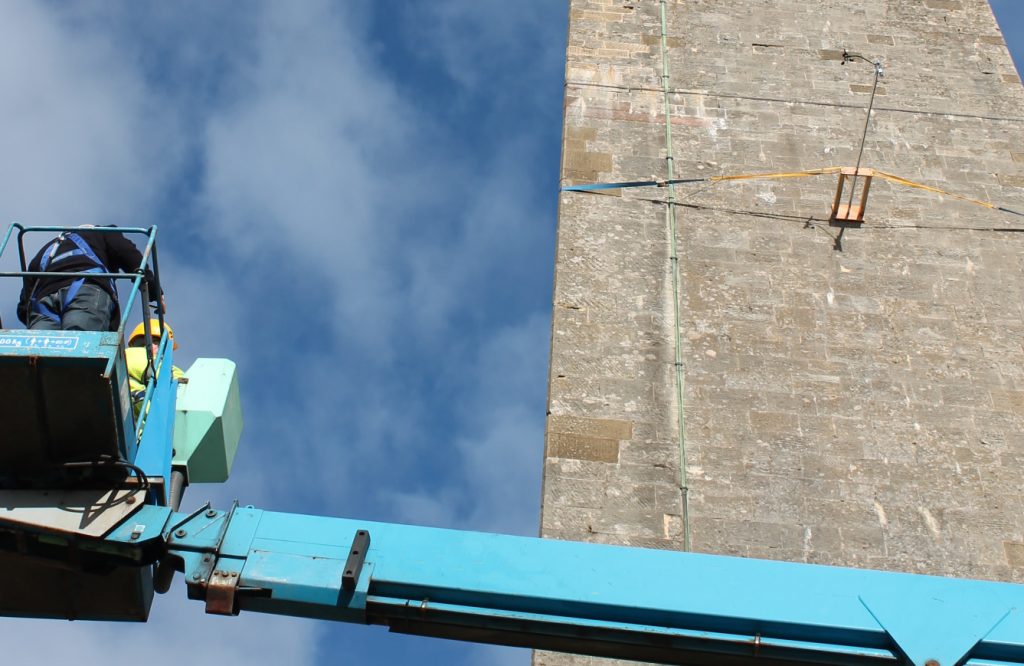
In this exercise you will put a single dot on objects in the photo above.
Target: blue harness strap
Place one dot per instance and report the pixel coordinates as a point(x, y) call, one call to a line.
point(82, 249)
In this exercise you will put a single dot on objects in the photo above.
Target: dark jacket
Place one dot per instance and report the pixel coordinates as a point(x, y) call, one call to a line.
point(115, 251)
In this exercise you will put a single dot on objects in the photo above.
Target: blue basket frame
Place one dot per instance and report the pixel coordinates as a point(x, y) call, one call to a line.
point(139, 285)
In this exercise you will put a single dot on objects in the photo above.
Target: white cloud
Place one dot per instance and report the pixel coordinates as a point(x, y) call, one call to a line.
point(494, 248)
point(204, 309)
point(498, 449)
point(479, 40)
point(297, 165)
point(78, 145)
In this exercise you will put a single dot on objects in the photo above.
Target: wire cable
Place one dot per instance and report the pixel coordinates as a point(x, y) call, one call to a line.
point(594, 187)
point(849, 57)
point(142, 486)
point(590, 187)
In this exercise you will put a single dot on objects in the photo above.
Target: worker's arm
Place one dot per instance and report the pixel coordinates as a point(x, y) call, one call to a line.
point(27, 285)
point(123, 255)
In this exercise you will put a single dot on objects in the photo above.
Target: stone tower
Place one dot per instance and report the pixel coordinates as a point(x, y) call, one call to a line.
point(736, 373)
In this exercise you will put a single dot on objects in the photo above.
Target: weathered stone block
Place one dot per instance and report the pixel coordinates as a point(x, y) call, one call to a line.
point(1014, 553)
point(563, 445)
point(601, 428)
point(588, 161)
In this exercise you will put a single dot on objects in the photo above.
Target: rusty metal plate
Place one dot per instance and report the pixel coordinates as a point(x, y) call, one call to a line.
point(220, 593)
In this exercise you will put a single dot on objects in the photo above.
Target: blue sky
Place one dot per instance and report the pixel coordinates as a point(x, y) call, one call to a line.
point(357, 204)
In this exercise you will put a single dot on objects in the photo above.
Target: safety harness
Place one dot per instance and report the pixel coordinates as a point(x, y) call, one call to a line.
point(82, 249)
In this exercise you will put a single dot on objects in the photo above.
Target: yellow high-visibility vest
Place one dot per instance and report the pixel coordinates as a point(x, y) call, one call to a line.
point(135, 359)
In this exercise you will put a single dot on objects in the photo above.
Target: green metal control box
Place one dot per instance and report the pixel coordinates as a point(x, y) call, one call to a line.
point(208, 421)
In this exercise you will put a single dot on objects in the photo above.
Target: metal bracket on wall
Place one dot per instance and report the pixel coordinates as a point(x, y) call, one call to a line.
point(850, 212)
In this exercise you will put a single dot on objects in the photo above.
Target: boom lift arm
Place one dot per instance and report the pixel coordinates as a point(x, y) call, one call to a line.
point(84, 522)
point(634, 603)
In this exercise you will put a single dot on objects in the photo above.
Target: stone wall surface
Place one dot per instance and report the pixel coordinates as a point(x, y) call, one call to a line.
point(851, 396)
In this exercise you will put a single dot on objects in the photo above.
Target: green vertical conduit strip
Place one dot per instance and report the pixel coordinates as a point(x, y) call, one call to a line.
point(670, 218)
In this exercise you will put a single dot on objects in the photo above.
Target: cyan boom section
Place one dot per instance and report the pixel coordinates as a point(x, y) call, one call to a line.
point(604, 600)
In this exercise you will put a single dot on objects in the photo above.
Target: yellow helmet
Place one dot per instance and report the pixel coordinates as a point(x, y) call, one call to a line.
point(154, 330)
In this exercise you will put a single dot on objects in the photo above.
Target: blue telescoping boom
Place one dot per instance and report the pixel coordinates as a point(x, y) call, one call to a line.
point(90, 526)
